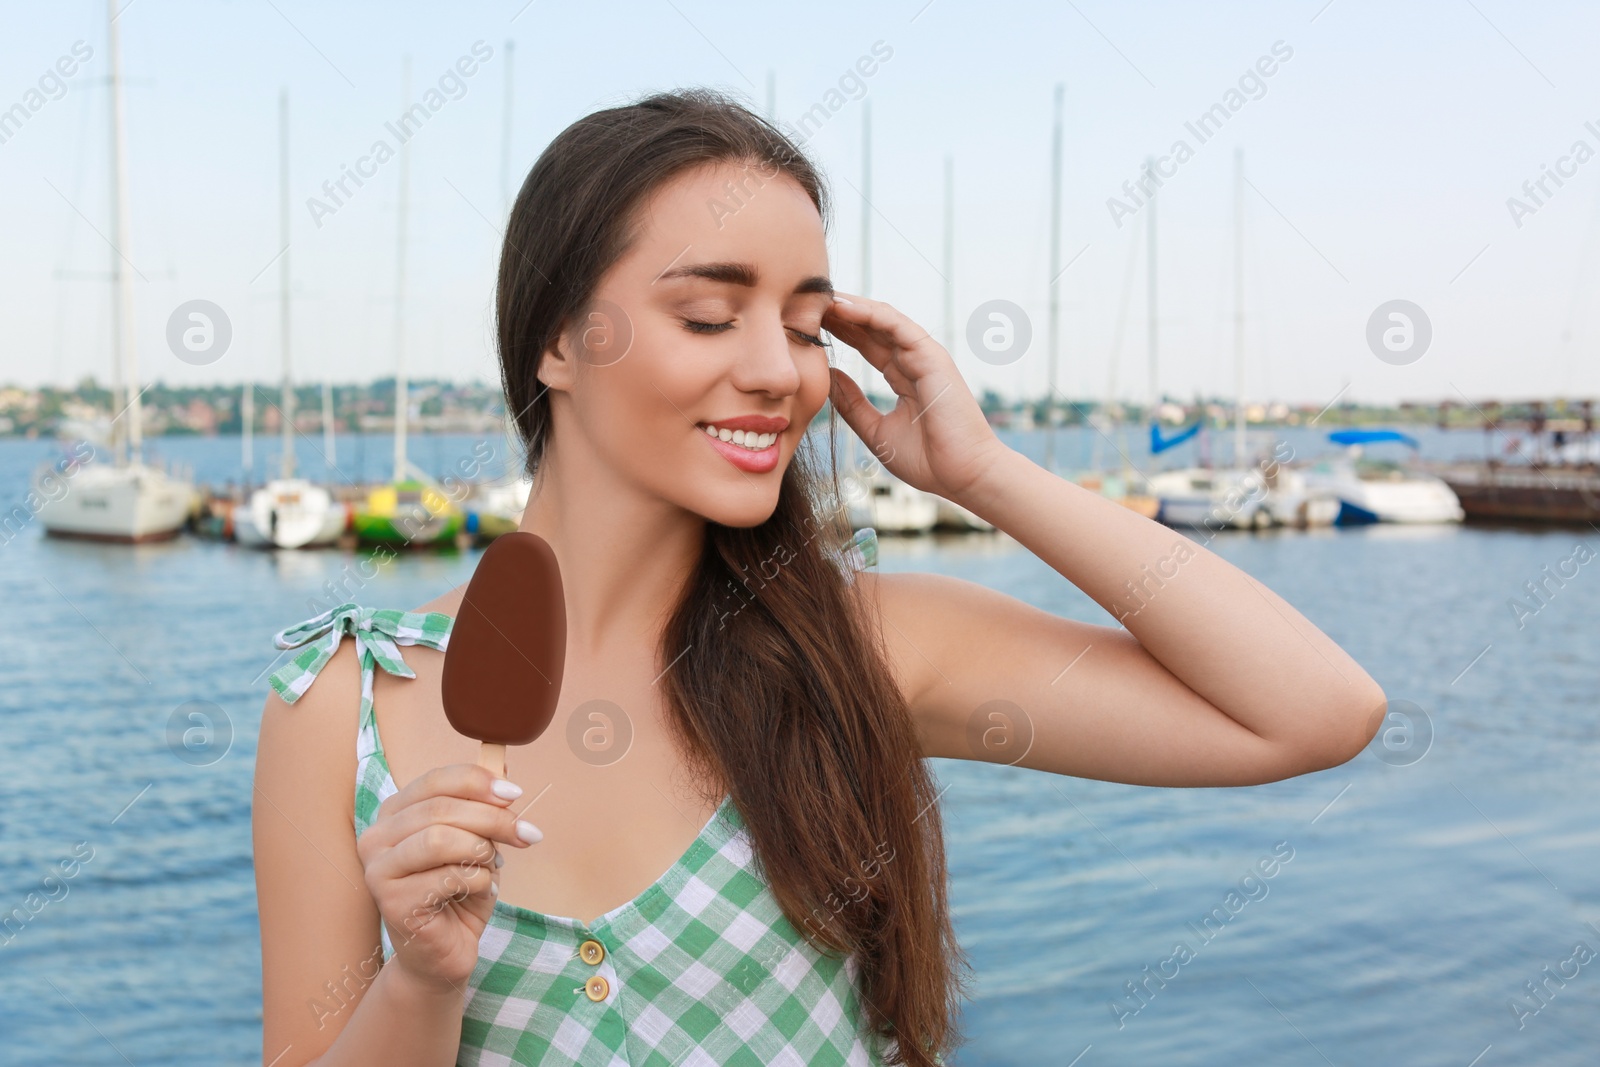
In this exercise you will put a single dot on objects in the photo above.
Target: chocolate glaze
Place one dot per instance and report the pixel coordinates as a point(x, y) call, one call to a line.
point(502, 667)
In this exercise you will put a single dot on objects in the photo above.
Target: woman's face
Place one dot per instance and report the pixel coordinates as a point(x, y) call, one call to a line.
point(711, 319)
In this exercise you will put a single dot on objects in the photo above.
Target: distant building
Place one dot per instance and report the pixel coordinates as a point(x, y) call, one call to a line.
point(200, 416)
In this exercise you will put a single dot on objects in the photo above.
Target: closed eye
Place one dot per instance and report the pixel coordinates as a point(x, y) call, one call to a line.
point(706, 327)
point(718, 327)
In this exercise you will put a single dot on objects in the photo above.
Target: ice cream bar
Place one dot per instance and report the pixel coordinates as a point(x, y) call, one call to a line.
point(502, 667)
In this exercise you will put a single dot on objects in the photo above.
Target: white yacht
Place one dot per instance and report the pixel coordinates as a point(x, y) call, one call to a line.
point(884, 502)
point(290, 513)
point(1381, 491)
point(953, 516)
point(1293, 501)
point(1207, 497)
point(132, 503)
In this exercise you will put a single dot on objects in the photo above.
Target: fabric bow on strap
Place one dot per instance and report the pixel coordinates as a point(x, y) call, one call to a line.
point(860, 552)
point(378, 632)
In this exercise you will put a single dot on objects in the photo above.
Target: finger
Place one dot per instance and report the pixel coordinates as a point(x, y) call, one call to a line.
point(882, 357)
point(435, 845)
point(433, 892)
point(887, 359)
point(434, 888)
point(465, 780)
point(854, 407)
point(890, 328)
point(874, 348)
point(486, 820)
point(479, 904)
point(837, 319)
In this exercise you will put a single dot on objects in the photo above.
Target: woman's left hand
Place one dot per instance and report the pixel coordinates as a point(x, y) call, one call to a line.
point(936, 439)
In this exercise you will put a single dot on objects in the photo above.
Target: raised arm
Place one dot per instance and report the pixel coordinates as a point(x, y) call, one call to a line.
point(1216, 680)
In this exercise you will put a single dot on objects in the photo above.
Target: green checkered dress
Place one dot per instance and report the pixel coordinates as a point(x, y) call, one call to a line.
point(701, 968)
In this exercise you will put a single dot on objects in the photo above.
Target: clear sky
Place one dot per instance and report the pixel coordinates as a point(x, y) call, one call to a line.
point(1379, 154)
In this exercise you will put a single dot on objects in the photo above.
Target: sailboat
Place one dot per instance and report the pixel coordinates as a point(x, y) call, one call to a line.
point(1378, 491)
point(127, 500)
point(412, 509)
point(1205, 496)
point(288, 512)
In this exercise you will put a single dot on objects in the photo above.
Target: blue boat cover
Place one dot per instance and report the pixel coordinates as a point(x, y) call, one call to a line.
point(1362, 437)
point(1158, 444)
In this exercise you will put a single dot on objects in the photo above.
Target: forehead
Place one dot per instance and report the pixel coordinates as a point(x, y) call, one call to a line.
point(724, 210)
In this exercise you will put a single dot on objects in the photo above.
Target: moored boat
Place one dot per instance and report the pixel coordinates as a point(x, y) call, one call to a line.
point(1372, 491)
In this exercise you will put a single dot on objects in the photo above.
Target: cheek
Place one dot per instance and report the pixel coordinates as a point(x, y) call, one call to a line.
point(632, 408)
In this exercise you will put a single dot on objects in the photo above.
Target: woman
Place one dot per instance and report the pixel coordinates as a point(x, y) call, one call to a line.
point(763, 705)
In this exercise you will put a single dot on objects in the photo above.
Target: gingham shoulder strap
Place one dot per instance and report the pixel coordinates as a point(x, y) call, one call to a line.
point(378, 632)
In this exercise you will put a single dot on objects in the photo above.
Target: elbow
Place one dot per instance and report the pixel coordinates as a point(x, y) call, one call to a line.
point(1352, 725)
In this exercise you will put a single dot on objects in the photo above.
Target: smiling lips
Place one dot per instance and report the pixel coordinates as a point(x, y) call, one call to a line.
point(749, 442)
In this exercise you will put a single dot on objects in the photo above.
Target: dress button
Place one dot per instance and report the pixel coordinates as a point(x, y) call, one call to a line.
point(592, 952)
point(596, 988)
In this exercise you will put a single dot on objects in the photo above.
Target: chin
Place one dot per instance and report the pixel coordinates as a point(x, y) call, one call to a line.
point(751, 510)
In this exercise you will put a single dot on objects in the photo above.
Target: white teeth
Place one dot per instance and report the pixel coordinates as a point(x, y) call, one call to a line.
point(755, 442)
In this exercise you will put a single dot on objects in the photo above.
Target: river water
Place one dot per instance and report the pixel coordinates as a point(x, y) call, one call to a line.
point(1415, 891)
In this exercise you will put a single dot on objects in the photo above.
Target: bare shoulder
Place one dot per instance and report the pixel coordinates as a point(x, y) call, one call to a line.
point(308, 748)
point(410, 703)
point(410, 711)
point(448, 602)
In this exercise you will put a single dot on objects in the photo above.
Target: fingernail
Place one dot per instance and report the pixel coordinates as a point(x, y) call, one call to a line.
point(505, 790)
point(842, 300)
point(494, 890)
point(499, 860)
point(529, 832)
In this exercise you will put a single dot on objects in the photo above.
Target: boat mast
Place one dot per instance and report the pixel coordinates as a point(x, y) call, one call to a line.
point(401, 397)
point(1150, 298)
point(866, 202)
point(283, 283)
point(949, 254)
point(1055, 287)
point(247, 419)
point(327, 426)
point(1238, 308)
point(505, 137)
point(127, 444)
point(330, 459)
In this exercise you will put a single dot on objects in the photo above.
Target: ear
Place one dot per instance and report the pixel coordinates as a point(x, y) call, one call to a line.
point(556, 370)
point(599, 337)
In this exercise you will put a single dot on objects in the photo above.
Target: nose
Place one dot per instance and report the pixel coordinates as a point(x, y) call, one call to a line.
point(767, 363)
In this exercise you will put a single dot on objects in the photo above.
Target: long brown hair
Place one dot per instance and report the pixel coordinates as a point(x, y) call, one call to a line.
point(779, 687)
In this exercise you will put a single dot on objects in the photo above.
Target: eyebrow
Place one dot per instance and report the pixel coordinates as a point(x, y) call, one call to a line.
point(741, 274)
